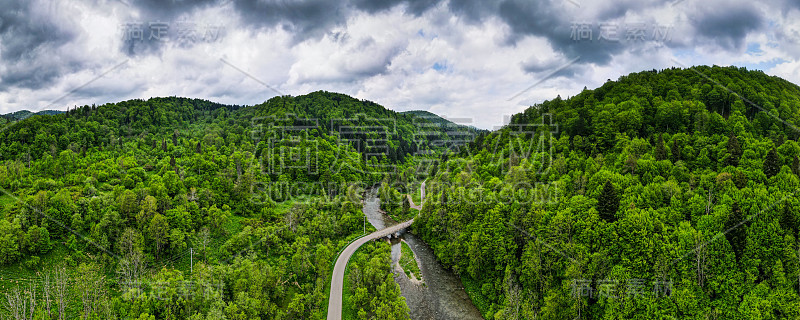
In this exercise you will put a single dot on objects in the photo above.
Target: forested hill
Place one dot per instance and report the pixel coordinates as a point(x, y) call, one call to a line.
point(334, 115)
point(361, 120)
point(22, 114)
point(177, 208)
point(679, 101)
point(443, 122)
point(664, 194)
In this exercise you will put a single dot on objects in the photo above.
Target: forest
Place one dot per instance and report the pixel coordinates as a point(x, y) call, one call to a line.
point(663, 194)
point(107, 211)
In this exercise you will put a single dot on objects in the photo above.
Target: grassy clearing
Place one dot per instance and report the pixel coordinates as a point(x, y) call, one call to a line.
point(408, 263)
point(416, 196)
point(6, 201)
point(17, 274)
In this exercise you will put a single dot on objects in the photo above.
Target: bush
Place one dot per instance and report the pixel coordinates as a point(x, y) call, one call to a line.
point(33, 263)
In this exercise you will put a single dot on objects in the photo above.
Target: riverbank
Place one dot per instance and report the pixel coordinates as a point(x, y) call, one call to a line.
point(442, 296)
point(409, 264)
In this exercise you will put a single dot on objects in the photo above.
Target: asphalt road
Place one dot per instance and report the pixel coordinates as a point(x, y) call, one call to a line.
point(337, 282)
point(335, 301)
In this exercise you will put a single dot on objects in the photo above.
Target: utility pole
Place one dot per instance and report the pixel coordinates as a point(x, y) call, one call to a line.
point(365, 223)
point(191, 264)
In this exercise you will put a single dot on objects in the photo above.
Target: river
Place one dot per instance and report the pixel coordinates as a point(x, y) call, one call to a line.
point(442, 296)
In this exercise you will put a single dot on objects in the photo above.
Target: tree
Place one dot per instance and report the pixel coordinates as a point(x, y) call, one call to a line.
point(48, 286)
point(21, 304)
point(734, 150)
point(9, 241)
point(737, 231)
point(204, 237)
point(676, 151)
point(796, 166)
point(172, 182)
point(131, 262)
point(159, 232)
point(661, 152)
point(149, 207)
point(771, 164)
point(128, 205)
point(608, 202)
point(37, 240)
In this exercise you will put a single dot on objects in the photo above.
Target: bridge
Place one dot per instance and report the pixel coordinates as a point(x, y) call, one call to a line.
point(337, 281)
point(337, 278)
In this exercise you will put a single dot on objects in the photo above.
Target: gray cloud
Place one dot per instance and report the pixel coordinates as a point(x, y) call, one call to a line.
point(21, 37)
point(553, 20)
point(472, 10)
point(726, 25)
point(415, 7)
point(539, 19)
point(306, 18)
point(562, 68)
point(25, 35)
point(41, 48)
point(788, 5)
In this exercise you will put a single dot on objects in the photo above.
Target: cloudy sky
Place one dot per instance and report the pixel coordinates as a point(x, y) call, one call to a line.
point(478, 59)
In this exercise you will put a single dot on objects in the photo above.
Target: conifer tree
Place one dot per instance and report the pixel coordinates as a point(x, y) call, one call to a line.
point(608, 202)
point(771, 164)
point(661, 151)
point(676, 151)
point(735, 150)
point(736, 230)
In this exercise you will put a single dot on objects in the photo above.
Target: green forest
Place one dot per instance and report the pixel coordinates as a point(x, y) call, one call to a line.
point(174, 208)
point(664, 194)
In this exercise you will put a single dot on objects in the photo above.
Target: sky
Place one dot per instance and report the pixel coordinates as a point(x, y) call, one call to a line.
point(475, 60)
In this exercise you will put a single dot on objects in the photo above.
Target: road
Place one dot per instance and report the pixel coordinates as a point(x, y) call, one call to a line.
point(337, 282)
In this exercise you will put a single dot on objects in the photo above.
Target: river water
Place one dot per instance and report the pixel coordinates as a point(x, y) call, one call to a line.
point(441, 296)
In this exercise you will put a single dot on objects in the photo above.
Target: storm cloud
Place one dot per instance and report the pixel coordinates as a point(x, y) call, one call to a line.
point(406, 54)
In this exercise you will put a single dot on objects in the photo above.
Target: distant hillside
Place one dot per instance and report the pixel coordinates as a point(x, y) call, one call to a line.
point(23, 114)
point(443, 122)
point(362, 123)
point(362, 120)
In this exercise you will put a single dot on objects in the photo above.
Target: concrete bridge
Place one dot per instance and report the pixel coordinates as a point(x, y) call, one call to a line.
point(337, 280)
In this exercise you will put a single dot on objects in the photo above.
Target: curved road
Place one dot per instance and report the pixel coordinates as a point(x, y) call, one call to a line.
point(335, 301)
point(337, 281)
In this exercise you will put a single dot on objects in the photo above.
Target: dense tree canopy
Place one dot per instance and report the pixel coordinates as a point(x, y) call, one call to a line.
point(664, 194)
point(258, 198)
point(659, 180)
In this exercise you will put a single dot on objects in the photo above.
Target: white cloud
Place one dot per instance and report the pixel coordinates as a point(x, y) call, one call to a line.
point(436, 61)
